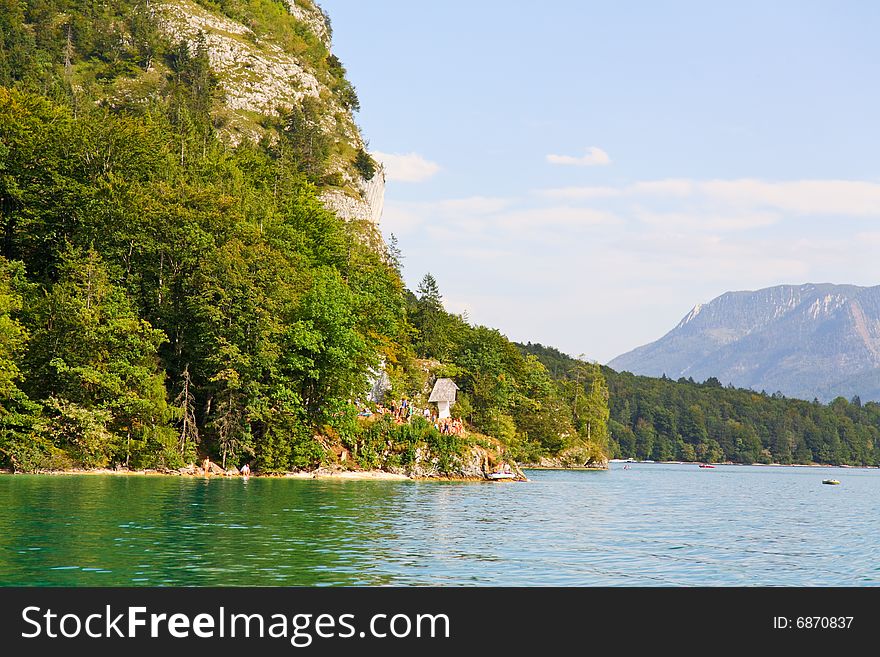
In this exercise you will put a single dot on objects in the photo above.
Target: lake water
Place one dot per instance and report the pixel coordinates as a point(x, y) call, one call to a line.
point(651, 525)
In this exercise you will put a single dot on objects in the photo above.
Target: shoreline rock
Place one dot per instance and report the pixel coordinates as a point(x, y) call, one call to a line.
point(323, 473)
point(564, 463)
point(533, 466)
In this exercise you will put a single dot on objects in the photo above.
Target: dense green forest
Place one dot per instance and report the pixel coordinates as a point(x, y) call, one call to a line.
point(165, 296)
point(663, 420)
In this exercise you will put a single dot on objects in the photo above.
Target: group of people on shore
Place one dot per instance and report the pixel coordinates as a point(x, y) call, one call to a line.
point(450, 426)
point(402, 412)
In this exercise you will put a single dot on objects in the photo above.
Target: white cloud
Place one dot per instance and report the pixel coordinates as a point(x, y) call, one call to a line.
point(594, 157)
point(580, 193)
point(708, 220)
point(409, 167)
point(401, 218)
point(445, 219)
point(474, 205)
point(459, 220)
point(872, 238)
point(843, 197)
point(852, 198)
point(685, 259)
point(669, 187)
point(674, 187)
point(556, 216)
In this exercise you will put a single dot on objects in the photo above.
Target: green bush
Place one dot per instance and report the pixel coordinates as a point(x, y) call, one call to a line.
point(383, 443)
point(80, 432)
point(24, 451)
point(365, 165)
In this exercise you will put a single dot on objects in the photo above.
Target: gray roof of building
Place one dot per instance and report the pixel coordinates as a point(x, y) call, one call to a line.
point(444, 390)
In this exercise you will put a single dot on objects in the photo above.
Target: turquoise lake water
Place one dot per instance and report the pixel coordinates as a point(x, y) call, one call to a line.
point(651, 525)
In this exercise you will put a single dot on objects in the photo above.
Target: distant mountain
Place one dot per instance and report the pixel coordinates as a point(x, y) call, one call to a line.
point(802, 340)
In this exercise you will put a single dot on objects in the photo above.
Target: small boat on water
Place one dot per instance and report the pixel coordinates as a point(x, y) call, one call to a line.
point(498, 476)
point(706, 465)
point(831, 482)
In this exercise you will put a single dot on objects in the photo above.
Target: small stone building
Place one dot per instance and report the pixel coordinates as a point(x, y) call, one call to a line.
point(443, 395)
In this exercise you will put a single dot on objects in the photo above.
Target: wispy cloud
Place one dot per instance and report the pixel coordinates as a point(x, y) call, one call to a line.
point(677, 187)
point(409, 167)
point(845, 197)
point(536, 218)
point(869, 238)
point(452, 220)
point(479, 205)
point(401, 218)
point(580, 193)
point(445, 217)
point(594, 157)
point(852, 198)
point(707, 220)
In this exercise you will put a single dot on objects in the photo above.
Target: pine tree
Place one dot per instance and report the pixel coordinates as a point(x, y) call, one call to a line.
point(429, 293)
point(185, 407)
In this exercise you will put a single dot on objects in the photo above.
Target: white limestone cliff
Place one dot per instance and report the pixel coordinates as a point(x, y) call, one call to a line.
point(259, 78)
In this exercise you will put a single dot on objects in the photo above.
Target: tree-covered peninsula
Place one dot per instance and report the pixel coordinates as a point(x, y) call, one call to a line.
point(174, 286)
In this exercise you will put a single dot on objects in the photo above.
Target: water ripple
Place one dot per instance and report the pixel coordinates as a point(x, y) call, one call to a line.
point(651, 525)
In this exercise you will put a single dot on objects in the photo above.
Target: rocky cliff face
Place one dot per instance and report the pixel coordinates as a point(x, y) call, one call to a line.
point(805, 341)
point(367, 205)
point(259, 77)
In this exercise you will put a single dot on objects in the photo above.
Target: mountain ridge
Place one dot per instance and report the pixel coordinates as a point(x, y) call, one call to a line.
point(811, 340)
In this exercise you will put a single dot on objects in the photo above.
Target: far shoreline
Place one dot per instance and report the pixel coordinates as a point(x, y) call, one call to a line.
point(763, 465)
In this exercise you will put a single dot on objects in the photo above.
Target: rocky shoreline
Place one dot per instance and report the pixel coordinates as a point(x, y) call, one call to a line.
point(565, 463)
point(474, 463)
point(323, 473)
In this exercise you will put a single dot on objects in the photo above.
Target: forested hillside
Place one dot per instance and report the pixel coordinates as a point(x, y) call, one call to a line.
point(167, 293)
point(661, 419)
point(510, 394)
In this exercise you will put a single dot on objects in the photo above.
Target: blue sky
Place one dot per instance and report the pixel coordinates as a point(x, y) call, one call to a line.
point(582, 174)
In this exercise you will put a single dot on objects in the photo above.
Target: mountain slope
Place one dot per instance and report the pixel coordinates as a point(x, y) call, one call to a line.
point(802, 340)
point(268, 68)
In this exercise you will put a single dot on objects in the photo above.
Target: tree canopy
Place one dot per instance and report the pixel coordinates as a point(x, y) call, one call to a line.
point(662, 420)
